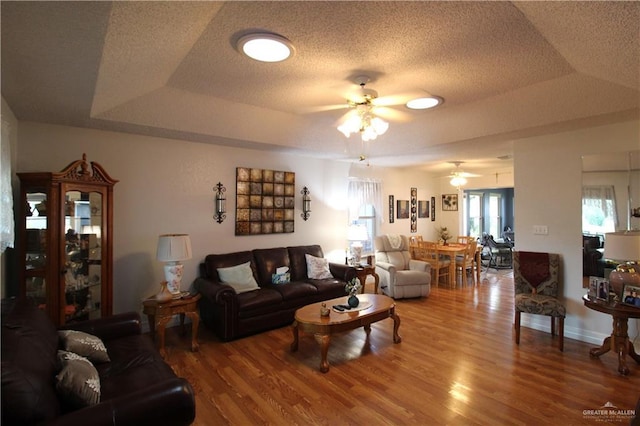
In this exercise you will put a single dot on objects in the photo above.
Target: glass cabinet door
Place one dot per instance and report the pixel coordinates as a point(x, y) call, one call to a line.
point(82, 255)
point(36, 247)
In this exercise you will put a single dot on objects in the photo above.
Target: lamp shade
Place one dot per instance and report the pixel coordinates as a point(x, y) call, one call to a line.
point(357, 233)
point(622, 246)
point(173, 248)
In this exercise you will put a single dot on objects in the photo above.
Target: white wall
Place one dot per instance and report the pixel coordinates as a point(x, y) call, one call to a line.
point(548, 188)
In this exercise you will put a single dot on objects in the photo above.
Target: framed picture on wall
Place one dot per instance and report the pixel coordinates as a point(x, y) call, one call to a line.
point(450, 202)
point(391, 207)
point(433, 209)
point(402, 209)
point(423, 209)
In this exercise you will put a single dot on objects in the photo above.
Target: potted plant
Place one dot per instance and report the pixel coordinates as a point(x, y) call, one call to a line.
point(352, 287)
point(444, 234)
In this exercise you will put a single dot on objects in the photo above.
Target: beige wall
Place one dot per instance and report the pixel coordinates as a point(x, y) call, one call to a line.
point(548, 190)
point(166, 186)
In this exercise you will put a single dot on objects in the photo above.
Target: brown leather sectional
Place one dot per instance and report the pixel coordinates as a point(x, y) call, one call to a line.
point(232, 315)
point(136, 386)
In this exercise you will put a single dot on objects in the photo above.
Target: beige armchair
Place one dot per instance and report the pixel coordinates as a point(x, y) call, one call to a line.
point(400, 275)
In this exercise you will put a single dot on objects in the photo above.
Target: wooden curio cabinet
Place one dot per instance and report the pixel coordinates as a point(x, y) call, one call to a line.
point(65, 254)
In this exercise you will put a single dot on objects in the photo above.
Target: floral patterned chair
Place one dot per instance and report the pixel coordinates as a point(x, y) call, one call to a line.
point(535, 277)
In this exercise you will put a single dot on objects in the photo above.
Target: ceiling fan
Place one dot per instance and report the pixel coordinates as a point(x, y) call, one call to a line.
point(458, 176)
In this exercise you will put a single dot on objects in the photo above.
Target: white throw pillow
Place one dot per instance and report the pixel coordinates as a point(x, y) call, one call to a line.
point(317, 268)
point(240, 277)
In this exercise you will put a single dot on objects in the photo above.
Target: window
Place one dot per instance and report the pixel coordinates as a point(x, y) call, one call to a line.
point(599, 213)
point(367, 217)
point(474, 222)
point(495, 215)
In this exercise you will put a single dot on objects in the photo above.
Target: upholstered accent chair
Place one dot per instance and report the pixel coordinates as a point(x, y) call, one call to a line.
point(535, 277)
point(400, 275)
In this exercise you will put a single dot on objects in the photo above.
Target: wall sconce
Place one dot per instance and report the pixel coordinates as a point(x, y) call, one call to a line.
point(306, 203)
point(221, 207)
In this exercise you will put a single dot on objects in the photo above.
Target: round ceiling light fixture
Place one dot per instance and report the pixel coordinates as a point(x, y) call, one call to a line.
point(265, 47)
point(425, 103)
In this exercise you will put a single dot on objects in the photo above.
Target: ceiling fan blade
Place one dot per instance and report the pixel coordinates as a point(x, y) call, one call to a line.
point(324, 108)
point(392, 114)
point(392, 100)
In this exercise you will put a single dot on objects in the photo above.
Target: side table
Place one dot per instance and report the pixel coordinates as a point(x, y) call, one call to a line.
point(619, 340)
point(159, 314)
point(362, 271)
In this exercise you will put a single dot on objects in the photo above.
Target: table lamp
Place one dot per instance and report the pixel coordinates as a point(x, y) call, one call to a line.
point(173, 249)
point(357, 234)
point(623, 247)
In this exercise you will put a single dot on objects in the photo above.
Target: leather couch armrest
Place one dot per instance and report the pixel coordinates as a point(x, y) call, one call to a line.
point(419, 265)
point(108, 328)
point(170, 402)
point(215, 291)
point(342, 272)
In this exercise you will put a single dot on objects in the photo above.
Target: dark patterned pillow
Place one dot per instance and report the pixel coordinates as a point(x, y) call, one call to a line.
point(84, 344)
point(77, 383)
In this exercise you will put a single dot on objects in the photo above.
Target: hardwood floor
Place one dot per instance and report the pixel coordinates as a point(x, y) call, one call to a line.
point(457, 364)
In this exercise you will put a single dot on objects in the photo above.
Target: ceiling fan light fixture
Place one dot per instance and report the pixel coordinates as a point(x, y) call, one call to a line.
point(265, 47)
point(458, 181)
point(424, 103)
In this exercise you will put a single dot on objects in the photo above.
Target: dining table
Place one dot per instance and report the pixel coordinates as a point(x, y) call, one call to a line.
point(451, 250)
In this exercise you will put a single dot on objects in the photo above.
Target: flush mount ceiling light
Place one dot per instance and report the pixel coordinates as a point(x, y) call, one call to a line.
point(424, 103)
point(265, 47)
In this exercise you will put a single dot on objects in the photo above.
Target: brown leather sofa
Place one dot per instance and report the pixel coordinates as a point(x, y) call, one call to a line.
point(231, 315)
point(136, 386)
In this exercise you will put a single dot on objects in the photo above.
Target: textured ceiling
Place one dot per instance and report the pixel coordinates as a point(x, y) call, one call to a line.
point(171, 69)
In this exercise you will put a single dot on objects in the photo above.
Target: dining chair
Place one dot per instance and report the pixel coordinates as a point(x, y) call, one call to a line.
point(428, 251)
point(464, 239)
point(467, 262)
point(535, 278)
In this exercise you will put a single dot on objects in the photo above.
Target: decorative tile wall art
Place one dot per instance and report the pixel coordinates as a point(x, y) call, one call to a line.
point(391, 206)
point(265, 201)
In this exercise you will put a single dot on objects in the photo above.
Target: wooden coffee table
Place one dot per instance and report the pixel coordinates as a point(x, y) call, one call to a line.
point(308, 320)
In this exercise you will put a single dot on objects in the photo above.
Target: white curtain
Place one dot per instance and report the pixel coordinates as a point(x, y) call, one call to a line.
point(6, 197)
point(365, 191)
point(602, 197)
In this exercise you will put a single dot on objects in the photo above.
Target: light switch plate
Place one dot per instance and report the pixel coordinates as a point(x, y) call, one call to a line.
point(540, 230)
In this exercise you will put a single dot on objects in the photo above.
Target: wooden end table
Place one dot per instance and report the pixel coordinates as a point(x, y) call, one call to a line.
point(363, 271)
point(619, 340)
point(159, 314)
point(309, 320)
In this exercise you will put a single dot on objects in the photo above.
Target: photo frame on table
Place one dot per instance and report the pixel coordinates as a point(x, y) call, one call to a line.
point(402, 209)
point(602, 289)
point(391, 207)
point(631, 295)
point(450, 202)
point(423, 209)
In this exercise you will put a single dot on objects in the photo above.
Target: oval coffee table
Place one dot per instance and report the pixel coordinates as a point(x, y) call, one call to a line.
point(309, 320)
